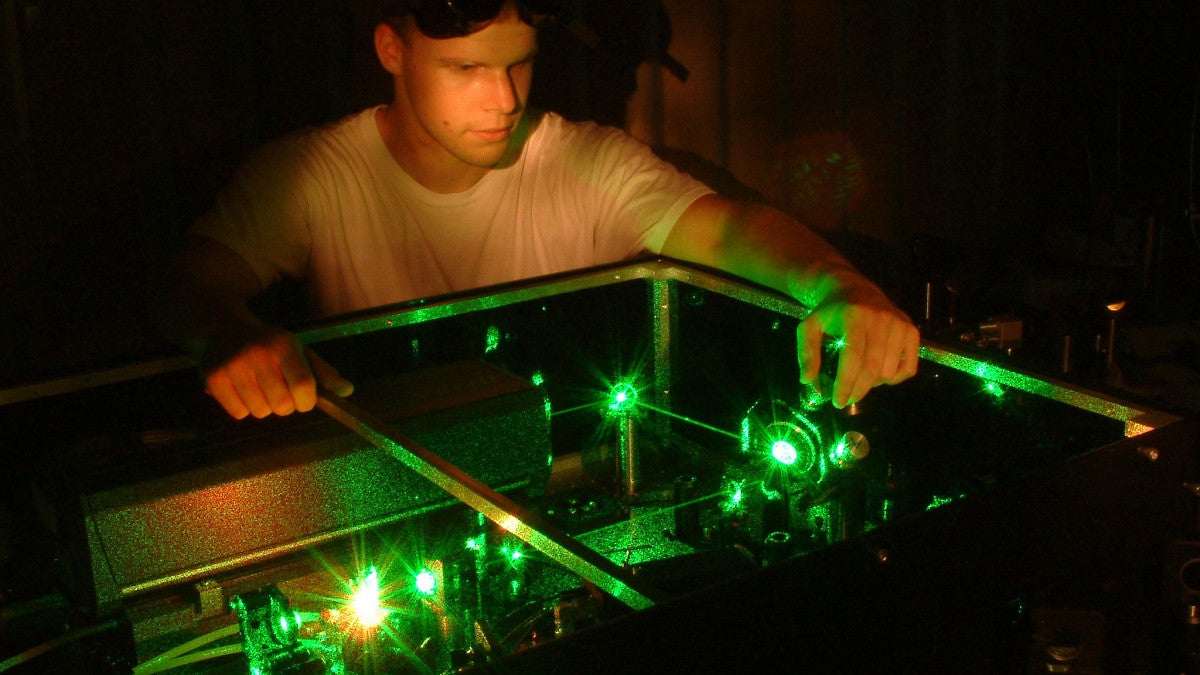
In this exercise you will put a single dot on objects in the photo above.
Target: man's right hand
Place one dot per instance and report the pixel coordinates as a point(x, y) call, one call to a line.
point(198, 298)
point(267, 372)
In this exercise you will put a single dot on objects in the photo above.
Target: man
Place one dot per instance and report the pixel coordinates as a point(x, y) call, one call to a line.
point(454, 186)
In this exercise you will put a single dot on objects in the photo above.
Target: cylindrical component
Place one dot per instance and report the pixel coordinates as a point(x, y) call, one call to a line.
point(777, 547)
point(627, 456)
point(887, 505)
point(775, 511)
point(850, 450)
point(1112, 341)
point(928, 302)
point(687, 509)
point(1066, 354)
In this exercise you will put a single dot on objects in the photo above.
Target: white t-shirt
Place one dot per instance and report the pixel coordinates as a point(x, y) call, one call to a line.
point(331, 208)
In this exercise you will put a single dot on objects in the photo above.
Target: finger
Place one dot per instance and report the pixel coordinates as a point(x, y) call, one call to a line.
point(274, 385)
point(861, 386)
point(808, 348)
point(880, 356)
point(911, 353)
point(328, 376)
point(221, 388)
point(846, 388)
point(245, 382)
point(893, 355)
point(298, 376)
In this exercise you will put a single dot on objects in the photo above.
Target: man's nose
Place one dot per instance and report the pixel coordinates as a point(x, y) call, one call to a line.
point(502, 93)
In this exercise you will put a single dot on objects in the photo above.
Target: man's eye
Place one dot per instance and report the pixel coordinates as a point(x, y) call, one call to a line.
point(466, 67)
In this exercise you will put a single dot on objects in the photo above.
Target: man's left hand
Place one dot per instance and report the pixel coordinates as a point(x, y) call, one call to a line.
point(878, 345)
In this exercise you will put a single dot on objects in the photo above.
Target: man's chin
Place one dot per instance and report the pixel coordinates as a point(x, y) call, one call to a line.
point(485, 158)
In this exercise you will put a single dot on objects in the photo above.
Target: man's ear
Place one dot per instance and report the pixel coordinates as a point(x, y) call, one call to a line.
point(389, 48)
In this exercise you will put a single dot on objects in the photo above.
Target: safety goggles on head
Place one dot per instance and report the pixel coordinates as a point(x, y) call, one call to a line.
point(457, 18)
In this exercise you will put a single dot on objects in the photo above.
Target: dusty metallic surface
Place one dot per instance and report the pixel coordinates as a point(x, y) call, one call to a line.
point(227, 499)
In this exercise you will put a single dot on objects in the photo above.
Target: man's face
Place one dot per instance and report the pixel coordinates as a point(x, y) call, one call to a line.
point(466, 94)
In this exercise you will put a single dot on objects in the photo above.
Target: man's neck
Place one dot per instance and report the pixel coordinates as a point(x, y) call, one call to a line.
point(427, 163)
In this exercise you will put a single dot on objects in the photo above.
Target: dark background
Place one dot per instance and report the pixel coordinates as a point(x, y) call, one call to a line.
point(1041, 152)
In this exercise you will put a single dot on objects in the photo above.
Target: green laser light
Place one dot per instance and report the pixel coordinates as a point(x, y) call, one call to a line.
point(623, 397)
point(426, 582)
point(366, 600)
point(784, 452)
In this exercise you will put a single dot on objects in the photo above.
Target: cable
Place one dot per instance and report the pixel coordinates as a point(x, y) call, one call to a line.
point(34, 652)
point(196, 657)
point(152, 666)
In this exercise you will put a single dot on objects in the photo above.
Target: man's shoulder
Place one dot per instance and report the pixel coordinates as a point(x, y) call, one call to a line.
point(351, 129)
point(557, 133)
point(333, 140)
point(554, 124)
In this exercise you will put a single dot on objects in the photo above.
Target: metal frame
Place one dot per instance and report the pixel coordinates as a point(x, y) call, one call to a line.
point(664, 276)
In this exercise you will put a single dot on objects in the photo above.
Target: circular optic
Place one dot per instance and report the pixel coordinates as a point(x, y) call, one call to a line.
point(622, 397)
point(783, 452)
point(426, 582)
point(790, 445)
point(1189, 575)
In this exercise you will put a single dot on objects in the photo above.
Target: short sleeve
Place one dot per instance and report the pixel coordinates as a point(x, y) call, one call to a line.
point(635, 197)
point(262, 214)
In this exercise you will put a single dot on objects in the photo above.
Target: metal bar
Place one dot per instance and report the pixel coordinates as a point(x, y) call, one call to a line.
point(574, 556)
point(664, 313)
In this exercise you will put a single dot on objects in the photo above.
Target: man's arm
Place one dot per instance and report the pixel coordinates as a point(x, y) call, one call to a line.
point(764, 245)
point(250, 367)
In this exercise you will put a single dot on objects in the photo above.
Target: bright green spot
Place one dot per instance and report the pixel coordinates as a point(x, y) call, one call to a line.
point(841, 453)
point(814, 399)
point(366, 600)
point(474, 544)
point(784, 452)
point(994, 389)
point(537, 378)
point(623, 397)
point(285, 626)
point(426, 582)
point(492, 340)
point(939, 500)
point(734, 493)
